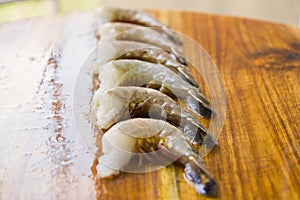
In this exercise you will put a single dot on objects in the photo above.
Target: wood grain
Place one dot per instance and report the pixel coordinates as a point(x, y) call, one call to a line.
point(258, 153)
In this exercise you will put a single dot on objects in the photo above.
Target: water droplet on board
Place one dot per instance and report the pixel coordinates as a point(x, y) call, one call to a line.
point(4, 78)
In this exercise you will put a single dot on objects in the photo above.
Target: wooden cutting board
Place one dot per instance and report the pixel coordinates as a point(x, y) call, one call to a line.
point(41, 155)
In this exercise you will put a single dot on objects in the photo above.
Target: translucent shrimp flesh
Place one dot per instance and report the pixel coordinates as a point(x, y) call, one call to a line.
point(111, 14)
point(118, 49)
point(139, 73)
point(122, 103)
point(156, 141)
point(132, 32)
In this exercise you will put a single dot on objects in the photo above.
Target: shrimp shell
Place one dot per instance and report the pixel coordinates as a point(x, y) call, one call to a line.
point(112, 49)
point(157, 141)
point(139, 73)
point(118, 49)
point(155, 55)
point(111, 14)
point(122, 103)
point(132, 32)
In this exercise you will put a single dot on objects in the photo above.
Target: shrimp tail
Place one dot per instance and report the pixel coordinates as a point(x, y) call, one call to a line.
point(196, 174)
point(203, 136)
point(187, 76)
point(200, 97)
point(198, 103)
point(172, 35)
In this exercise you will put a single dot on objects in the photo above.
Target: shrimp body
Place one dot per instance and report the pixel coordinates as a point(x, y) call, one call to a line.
point(156, 141)
point(122, 103)
point(139, 73)
point(121, 49)
point(156, 55)
point(110, 14)
point(132, 32)
point(112, 49)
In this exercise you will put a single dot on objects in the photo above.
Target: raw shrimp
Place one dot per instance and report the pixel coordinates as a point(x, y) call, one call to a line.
point(157, 141)
point(156, 55)
point(118, 49)
point(111, 49)
point(122, 103)
point(110, 14)
point(139, 73)
point(132, 32)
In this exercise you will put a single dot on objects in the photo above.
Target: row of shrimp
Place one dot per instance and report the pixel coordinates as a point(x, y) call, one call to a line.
point(146, 99)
